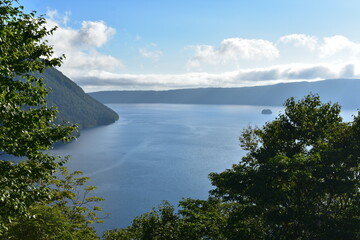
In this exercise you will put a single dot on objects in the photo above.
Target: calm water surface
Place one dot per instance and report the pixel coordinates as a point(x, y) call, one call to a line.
point(159, 152)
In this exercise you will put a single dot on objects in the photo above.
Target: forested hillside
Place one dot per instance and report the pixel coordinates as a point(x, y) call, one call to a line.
point(343, 91)
point(74, 104)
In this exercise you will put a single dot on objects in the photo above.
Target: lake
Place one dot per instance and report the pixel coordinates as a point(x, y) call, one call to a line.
point(160, 152)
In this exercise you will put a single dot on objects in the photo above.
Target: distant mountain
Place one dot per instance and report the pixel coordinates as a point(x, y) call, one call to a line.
point(343, 91)
point(74, 104)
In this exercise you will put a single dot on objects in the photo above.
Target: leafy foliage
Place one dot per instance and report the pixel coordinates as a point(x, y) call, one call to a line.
point(34, 203)
point(26, 123)
point(157, 224)
point(197, 219)
point(73, 197)
point(301, 176)
point(300, 179)
point(48, 222)
point(70, 214)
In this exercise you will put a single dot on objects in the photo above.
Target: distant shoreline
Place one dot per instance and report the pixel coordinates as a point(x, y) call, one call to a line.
point(343, 91)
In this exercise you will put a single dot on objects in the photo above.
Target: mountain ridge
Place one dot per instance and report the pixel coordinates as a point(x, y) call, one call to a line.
point(343, 91)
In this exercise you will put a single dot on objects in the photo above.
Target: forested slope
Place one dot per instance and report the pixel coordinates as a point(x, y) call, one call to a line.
point(343, 91)
point(74, 104)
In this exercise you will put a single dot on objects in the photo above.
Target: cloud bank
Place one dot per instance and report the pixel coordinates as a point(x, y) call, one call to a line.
point(329, 57)
point(249, 77)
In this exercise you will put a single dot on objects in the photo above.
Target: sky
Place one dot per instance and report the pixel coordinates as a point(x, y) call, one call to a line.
point(170, 44)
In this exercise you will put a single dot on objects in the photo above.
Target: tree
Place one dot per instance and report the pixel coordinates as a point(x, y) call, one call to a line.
point(196, 219)
point(26, 123)
point(69, 214)
point(203, 219)
point(75, 201)
point(300, 178)
point(158, 224)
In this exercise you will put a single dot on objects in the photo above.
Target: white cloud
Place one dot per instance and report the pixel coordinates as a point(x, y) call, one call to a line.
point(300, 40)
point(66, 18)
point(297, 72)
point(80, 45)
point(153, 55)
point(94, 33)
point(339, 45)
point(102, 80)
point(233, 49)
point(52, 14)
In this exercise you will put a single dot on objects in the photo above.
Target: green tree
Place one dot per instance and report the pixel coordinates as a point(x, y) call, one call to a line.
point(76, 202)
point(196, 219)
point(202, 219)
point(48, 222)
point(158, 224)
point(300, 178)
point(70, 214)
point(26, 123)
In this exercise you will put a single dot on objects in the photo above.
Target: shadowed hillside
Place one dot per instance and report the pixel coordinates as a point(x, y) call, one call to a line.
point(74, 104)
point(343, 91)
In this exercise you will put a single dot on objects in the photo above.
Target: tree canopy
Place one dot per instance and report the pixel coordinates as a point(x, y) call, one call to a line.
point(26, 123)
point(300, 179)
point(301, 176)
point(68, 214)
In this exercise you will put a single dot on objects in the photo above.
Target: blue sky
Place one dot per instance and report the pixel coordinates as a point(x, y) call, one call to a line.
point(142, 44)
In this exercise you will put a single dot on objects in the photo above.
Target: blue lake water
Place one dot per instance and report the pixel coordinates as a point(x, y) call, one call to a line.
point(160, 152)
